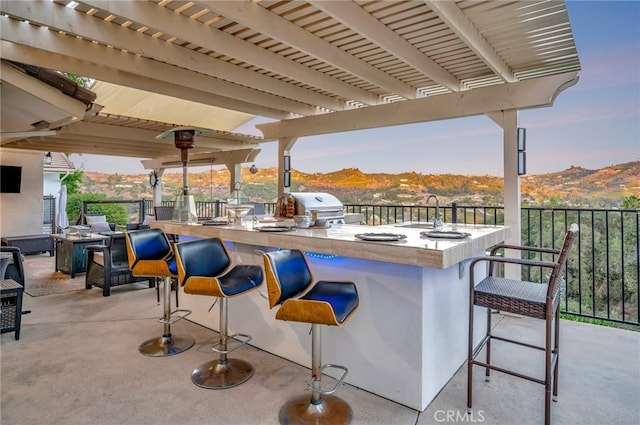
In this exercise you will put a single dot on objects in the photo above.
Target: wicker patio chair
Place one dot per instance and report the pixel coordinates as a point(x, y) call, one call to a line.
point(531, 299)
point(163, 213)
point(108, 266)
point(15, 269)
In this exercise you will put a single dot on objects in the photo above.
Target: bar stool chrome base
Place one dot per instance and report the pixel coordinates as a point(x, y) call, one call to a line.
point(166, 346)
point(219, 374)
point(331, 410)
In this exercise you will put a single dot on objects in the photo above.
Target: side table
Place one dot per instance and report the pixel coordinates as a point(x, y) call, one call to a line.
point(71, 255)
point(10, 306)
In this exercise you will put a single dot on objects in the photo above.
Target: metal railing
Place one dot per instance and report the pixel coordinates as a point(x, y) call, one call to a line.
point(204, 209)
point(134, 210)
point(49, 215)
point(602, 280)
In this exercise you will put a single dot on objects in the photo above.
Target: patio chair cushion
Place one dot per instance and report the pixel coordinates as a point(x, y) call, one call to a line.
point(101, 226)
point(94, 219)
point(98, 258)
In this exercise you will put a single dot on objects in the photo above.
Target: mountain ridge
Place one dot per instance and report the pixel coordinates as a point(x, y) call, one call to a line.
point(575, 186)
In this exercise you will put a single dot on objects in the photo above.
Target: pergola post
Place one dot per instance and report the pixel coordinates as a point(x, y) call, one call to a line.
point(157, 190)
point(235, 175)
point(508, 120)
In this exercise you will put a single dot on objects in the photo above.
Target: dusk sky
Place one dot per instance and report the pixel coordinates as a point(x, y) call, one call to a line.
point(593, 124)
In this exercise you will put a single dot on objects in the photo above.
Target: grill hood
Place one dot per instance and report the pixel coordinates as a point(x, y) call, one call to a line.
point(328, 206)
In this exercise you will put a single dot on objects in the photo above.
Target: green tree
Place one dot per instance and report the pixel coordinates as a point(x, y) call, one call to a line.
point(72, 181)
point(632, 203)
point(85, 82)
point(115, 213)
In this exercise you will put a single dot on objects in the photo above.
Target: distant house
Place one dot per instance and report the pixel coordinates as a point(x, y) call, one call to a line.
point(60, 164)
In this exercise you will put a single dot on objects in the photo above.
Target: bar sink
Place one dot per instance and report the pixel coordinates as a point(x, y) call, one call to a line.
point(416, 225)
point(445, 234)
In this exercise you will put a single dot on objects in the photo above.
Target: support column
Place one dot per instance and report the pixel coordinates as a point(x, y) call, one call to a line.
point(157, 191)
point(508, 120)
point(235, 175)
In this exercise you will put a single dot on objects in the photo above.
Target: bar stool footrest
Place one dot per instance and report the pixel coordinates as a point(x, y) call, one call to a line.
point(175, 316)
point(235, 336)
point(312, 382)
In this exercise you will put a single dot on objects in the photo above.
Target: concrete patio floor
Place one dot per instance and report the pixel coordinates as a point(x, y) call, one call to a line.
point(77, 362)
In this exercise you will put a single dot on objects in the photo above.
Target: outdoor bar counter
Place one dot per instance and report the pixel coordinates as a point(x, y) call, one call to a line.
point(409, 334)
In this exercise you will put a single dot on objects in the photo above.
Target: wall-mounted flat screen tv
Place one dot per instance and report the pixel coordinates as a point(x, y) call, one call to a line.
point(10, 179)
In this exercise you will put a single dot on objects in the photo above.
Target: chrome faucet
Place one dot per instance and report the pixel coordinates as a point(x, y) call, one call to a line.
point(437, 221)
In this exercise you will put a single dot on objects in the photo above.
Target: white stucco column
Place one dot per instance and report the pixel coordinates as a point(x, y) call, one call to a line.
point(511, 177)
point(508, 120)
point(157, 191)
point(235, 175)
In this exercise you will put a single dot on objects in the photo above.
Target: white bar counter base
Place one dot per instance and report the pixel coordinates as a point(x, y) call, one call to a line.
point(409, 334)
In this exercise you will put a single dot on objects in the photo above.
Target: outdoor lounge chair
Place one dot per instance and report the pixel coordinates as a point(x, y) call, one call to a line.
point(15, 269)
point(107, 266)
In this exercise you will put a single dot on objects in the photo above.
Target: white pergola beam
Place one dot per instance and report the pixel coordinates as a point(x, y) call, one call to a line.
point(353, 16)
point(100, 55)
point(260, 19)
point(60, 144)
point(123, 38)
point(526, 94)
point(135, 135)
point(212, 158)
point(111, 145)
point(37, 57)
point(221, 42)
point(456, 20)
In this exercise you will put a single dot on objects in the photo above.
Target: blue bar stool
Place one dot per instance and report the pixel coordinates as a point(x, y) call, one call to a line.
point(204, 268)
point(150, 255)
point(290, 284)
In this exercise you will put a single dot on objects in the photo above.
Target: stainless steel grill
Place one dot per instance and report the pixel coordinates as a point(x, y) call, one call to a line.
point(328, 207)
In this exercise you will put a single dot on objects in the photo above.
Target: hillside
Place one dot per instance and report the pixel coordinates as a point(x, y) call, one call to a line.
point(576, 186)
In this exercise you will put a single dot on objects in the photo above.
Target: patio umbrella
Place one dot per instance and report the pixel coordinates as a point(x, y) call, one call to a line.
point(62, 219)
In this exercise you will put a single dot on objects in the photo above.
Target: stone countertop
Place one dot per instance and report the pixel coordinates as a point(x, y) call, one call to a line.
point(414, 250)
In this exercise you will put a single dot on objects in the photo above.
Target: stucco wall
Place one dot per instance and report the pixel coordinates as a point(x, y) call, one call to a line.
point(51, 185)
point(21, 213)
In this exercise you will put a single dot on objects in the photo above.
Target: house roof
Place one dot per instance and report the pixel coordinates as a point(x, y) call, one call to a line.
point(313, 67)
point(60, 163)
